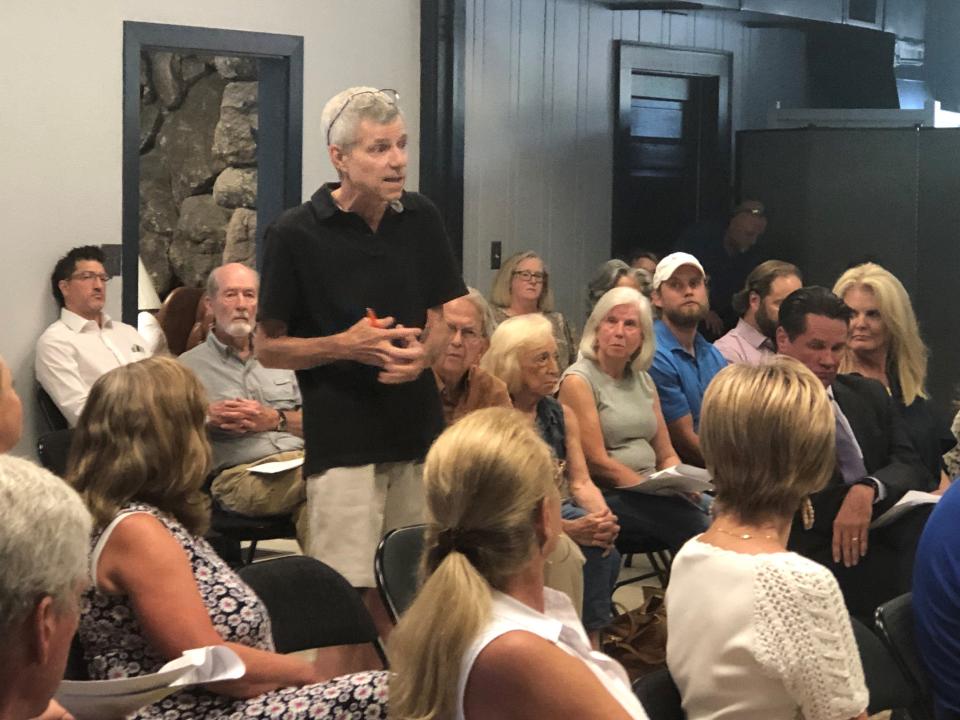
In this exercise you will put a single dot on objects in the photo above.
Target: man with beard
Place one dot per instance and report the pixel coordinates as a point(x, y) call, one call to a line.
point(684, 362)
point(254, 413)
point(758, 306)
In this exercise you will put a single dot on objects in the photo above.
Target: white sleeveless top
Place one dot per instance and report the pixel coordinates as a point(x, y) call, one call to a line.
point(560, 625)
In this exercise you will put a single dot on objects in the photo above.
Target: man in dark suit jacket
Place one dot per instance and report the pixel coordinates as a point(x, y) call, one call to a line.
point(876, 464)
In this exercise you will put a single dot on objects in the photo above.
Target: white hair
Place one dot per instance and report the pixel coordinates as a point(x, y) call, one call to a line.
point(44, 539)
point(348, 108)
point(213, 285)
point(643, 358)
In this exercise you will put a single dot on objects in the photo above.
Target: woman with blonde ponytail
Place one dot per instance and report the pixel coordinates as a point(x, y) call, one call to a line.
point(484, 638)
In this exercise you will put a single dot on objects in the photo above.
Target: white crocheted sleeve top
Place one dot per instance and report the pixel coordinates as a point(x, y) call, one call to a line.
point(760, 637)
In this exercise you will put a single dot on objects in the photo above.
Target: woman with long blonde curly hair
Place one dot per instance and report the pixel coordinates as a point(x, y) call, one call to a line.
point(885, 345)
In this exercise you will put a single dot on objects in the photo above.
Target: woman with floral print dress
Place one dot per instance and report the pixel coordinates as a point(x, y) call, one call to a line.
point(139, 458)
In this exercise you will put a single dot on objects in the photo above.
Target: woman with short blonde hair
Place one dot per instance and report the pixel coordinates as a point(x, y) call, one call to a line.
point(484, 637)
point(522, 286)
point(885, 345)
point(767, 434)
point(139, 459)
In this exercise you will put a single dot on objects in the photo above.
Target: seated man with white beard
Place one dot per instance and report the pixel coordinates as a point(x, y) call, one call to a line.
point(254, 413)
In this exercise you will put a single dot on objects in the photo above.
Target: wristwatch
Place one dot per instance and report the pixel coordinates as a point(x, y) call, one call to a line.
point(282, 422)
point(871, 482)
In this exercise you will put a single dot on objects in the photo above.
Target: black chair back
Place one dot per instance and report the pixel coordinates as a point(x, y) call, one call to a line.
point(659, 695)
point(310, 604)
point(894, 621)
point(53, 419)
point(395, 567)
point(888, 687)
point(53, 449)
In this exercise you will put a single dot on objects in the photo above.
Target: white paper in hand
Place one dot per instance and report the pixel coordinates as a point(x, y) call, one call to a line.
point(675, 480)
point(109, 699)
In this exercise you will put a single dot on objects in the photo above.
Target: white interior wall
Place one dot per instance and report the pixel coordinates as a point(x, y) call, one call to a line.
point(540, 119)
point(61, 117)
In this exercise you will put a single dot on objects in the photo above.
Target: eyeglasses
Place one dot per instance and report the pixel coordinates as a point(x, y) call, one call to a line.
point(88, 275)
point(467, 334)
point(530, 276)
point(392, 96)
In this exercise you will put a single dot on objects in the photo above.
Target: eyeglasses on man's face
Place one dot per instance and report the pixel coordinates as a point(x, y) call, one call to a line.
point(393, 97)
point(530, 276)
point(89, 275)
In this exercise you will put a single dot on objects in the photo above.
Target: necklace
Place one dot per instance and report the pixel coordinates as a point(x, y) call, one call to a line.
point(746, 536)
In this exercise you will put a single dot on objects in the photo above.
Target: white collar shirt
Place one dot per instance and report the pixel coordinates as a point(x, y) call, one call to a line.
point(74, 352)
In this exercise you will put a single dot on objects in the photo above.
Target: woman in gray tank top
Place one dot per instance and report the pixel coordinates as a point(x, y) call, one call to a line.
point(623, 433)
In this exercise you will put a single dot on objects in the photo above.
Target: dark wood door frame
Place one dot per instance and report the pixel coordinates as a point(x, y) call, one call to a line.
point(280, 152)
point(442, 79)
point(687, 62)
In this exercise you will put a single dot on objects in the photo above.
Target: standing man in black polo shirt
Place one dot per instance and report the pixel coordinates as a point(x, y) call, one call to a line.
point(351, 297)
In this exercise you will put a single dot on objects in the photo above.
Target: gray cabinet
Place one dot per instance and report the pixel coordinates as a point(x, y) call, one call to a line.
point(824, 10)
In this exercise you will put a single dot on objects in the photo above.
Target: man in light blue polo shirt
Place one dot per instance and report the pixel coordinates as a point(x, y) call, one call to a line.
point(684, 363)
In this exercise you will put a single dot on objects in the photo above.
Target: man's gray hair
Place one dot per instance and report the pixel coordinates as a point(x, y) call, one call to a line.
point(44, 539)
point(487, 321)
point(348, 108)
point(213, 287)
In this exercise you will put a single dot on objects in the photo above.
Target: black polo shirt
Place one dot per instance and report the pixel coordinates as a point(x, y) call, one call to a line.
point(322, 268)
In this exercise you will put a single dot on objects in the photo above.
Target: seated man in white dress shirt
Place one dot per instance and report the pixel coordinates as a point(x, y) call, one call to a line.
point(85, 342)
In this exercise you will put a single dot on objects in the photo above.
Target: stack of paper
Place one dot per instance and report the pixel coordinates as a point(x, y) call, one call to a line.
point(910, 500)
point(674, 480)
point(112, 699)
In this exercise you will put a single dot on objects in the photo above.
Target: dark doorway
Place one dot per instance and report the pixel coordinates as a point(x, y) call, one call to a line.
point(672, 145)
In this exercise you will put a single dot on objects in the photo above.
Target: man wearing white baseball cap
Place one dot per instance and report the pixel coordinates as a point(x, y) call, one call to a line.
point(684, 362)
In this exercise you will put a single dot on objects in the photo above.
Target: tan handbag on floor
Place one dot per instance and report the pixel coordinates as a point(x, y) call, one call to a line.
point(638, 638)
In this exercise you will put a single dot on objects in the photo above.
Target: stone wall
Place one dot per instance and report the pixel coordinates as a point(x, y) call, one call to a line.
point(198, 165)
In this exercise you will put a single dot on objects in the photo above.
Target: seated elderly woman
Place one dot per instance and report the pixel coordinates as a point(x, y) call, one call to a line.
point(885, 345)
point(484, 638)
point(523, 354)
point(621, 425)
point(522, 286)
point(616, 273)
point(139, 458)
point(44, 531)
point(754, 631)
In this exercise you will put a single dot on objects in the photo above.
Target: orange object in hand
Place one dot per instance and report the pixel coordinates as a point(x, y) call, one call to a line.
point(372, 318)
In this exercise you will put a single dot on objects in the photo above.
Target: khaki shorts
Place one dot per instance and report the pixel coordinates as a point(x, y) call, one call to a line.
point(351, 508)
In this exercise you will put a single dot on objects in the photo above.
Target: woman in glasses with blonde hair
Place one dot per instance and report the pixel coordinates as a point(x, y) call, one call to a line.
point(484, 638)
point(522, 286)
